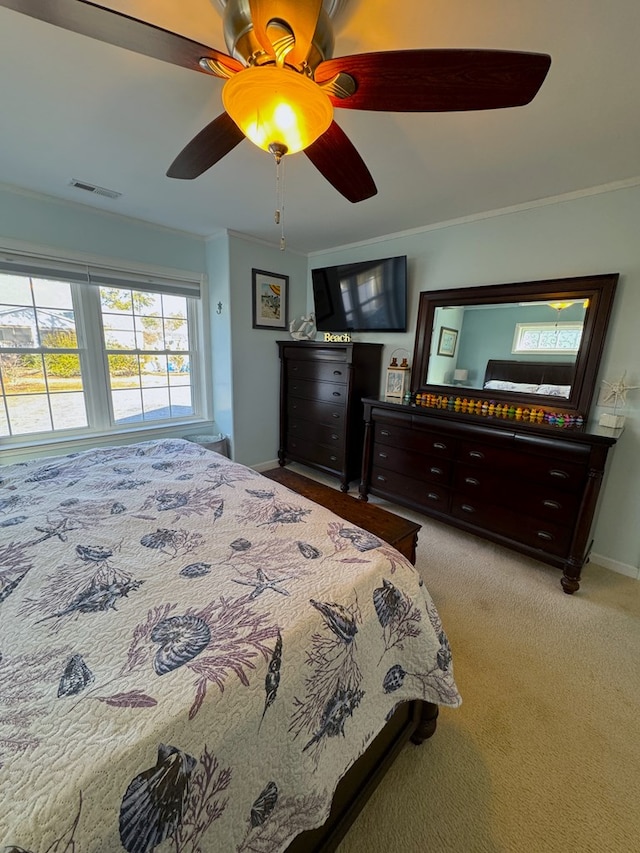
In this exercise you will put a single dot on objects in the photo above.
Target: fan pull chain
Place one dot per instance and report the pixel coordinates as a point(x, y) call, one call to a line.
point(279, 212)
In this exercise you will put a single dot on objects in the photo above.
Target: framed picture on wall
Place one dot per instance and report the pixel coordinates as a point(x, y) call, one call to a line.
point(447, 341)
point(269, 300)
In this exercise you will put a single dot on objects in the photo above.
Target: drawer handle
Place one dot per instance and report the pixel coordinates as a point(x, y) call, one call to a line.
point(433, 496)
point(561, 475)
point(552, 504)
point(383, 456)
point(335, 414)
point(543, 534)
point(435, 470)
point(333, 458)
point(381, 478)
point(385, 432)
point(337, 394)
point(472, 481)
point(294, 368)
point(467, 508)
point(439, 445)
point(335, 436)
point(476, 454)
point(337, 373)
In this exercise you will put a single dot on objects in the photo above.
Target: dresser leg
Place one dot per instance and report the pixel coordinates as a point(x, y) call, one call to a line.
point(571, 578)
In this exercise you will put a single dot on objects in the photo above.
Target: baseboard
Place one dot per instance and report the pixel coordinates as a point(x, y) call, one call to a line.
point(265, 466)
point(615, 566)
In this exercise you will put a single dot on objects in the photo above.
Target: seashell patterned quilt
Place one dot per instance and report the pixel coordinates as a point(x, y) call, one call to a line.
point(191, 655)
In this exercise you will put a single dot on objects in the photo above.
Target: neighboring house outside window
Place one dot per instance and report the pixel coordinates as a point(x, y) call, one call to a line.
point(95, 351)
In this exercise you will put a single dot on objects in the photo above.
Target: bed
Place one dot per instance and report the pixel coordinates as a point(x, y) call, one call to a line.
point(551, 379)
point(193, 656)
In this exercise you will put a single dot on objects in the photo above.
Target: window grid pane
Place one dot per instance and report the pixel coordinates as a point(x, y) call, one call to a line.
point(36, 318)
point(156, 329)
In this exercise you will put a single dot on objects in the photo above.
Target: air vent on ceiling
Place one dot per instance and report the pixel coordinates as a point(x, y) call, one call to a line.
point(92, 188)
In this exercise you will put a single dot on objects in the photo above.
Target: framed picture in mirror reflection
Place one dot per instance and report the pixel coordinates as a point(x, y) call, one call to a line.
point(447, 341)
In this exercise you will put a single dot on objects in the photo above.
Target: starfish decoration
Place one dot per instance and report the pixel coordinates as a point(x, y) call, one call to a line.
point(617, 391)
point(263, 583)
point(59, 529)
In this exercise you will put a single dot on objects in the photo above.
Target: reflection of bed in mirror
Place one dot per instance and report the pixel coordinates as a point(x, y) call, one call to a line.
point(550, 379)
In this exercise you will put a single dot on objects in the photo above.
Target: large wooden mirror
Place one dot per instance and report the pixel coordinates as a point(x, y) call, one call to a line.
point(530, 343)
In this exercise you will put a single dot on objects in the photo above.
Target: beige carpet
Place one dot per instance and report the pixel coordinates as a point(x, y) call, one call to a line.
point(544, 753)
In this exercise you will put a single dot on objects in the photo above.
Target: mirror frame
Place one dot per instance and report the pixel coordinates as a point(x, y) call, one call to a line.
point(598, 289)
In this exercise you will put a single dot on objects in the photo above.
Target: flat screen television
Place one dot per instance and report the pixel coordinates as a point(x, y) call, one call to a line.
point(367, 296)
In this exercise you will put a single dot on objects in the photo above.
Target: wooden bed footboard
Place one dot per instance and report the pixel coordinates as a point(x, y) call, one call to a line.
point(414, 721)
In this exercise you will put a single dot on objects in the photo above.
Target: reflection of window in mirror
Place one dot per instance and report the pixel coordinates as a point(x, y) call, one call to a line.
point(544, 338)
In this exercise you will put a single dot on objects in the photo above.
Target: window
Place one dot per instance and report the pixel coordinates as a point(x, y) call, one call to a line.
point(86, 350)
point(544, 338)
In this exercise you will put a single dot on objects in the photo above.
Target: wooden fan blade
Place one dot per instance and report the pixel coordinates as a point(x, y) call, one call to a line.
point(300, 15)
point(88, 19)
point(218, 138)
point(438, 80)
point(335, 157)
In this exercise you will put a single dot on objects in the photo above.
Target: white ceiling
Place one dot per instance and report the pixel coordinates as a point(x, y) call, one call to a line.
point(73, 107)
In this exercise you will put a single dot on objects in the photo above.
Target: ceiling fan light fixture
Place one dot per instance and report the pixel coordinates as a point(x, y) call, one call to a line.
point(276, 106)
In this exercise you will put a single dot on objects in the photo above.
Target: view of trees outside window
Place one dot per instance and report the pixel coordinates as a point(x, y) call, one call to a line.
point(147, 344)
point(44, 383)
point(41, 382)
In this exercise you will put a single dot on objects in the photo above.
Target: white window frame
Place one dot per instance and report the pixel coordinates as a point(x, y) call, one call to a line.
point(85, 276)
point(524, 328)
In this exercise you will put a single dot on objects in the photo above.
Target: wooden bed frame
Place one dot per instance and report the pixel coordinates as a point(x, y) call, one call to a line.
point(414, 721)
point(529, 372)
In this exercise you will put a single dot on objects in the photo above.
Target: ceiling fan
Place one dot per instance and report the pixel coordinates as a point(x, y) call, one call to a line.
point(282, 81)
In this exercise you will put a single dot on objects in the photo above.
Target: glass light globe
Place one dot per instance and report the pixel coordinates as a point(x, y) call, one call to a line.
point(277, 107)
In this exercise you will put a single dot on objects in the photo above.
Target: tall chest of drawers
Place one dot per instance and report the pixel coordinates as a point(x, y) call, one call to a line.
point(532, 490)
point(321, 413)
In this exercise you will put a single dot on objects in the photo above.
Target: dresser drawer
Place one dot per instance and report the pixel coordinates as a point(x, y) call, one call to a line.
point(411, 463)
point(537, 500)
point(327, 392)
point(432, 496)
point(317, 432)
point(543, 534)
point(318, 454)
point(560, 473)
point(317, 371)
point(404, 437)
point(329, 414)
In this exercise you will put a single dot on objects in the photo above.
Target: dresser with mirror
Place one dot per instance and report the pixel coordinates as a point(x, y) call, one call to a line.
point(497, 439)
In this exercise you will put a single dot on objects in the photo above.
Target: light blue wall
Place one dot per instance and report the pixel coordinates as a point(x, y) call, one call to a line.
point(48, 222)
point(220, 325)
point(595, 234)
point(256, 366)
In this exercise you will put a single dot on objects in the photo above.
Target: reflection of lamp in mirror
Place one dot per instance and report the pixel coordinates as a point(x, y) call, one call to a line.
point(460, 376)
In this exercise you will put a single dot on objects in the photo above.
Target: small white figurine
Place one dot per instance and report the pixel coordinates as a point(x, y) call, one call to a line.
point(303, 328)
